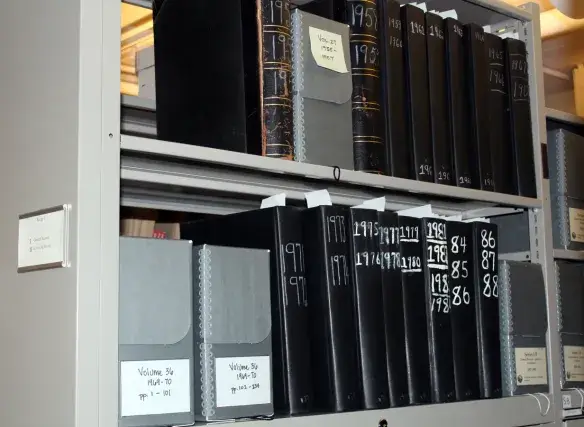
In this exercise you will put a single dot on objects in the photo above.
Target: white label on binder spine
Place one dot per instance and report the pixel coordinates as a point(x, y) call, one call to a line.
point(574, 363)
point(328, 50)
point(576, 225)
point(155, 387)
point(531, 366)
point(243, 381)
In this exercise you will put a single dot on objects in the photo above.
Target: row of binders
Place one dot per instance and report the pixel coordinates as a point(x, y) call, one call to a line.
point(361, 84)
point(324, 309)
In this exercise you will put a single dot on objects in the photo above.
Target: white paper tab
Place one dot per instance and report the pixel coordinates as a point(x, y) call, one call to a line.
point(421, 6)
point(43, 239)
point(418, 212)
point(531, 366)
point(377, 204)
point(576, 225)
point(318, 198)
point(327, 50)
point(276, 200)
point(574, 363)
point(485, 220)
point(566, 401)
point(155, 387)
point(242, 381)
point(449, 14)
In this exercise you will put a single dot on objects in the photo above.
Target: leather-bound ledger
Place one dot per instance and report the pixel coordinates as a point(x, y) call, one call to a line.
point(240, 98)
point(486, 282)
point(393, 89)
point(463, 313)
point(418, 101)
point(278, 229)
point(438, 308)
point(456, 77)
point(520, 117)
point(414, 307)
point(393, 309)
point(439, 118)
point(368, 120)
point(368, 299)
point(500, 136)
point(478, 86)
point(333, 345)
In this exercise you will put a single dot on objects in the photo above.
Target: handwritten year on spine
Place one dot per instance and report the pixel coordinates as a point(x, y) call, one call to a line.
point(368, 144)
point(275, 77)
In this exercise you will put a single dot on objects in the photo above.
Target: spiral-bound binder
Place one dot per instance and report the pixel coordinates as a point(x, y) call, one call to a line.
point(323, 131)
point(570, 280)
point(523, 314)
point(565, 159)
point(233, 338)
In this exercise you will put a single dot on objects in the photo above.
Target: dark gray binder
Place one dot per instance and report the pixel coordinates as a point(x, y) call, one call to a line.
point(570, 280)
point(155, 332)
point(567, 222)
point(323, 129)
point(565, 160)
point(233, 337)
point(523, 327)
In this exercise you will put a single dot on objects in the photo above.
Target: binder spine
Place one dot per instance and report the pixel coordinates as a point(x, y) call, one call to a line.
point(477, 66)
point(560, 323)
point(439, 118)
point(368, 145)
point(275, 68)
point(438, 308)
point(394, 92)
point(508, 368)
point(297, 88)
point(418, 102)
point(367, 295)
point(457, 104)
point(206, 357)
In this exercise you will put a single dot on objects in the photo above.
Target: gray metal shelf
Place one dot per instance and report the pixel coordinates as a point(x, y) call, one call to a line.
point(564, 117)
point(569, 255)
point(509, 412)
point(238, 175)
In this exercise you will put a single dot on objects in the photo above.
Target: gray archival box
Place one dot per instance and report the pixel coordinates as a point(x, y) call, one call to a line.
point(323, 121)
point(156, 332)
point(233, 337)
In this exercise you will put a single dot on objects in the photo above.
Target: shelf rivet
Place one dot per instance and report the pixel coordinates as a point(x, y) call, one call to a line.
point(382, 423)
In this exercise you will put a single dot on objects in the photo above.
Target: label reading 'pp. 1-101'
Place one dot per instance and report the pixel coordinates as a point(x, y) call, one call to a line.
point(155, 387)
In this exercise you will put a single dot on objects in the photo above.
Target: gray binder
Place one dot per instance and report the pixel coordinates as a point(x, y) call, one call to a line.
point(323, 129)
point(233, 339)
point(570, 280)
point(565, 158)
point(567, 222)
point(523, 320)
point(155, 332)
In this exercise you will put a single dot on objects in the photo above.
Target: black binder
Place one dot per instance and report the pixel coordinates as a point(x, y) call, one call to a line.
point(520, 117)
point(393, 308)
point(438, 308)
point(332, 324)
point(368, 299)
point(393, 89)
point(245, 88)
point(456, 79)
point(414, 306)
point(463, 316)
point(486, 279)
point(478, 85)
point(439, 118)
point(278, 229)
point(500, 132)
point(418, 101)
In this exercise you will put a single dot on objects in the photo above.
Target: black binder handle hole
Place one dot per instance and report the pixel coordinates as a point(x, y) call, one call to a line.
point(337, 173)
point(382, 423)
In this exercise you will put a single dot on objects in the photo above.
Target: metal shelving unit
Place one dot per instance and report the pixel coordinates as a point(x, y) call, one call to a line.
point(61, 360)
